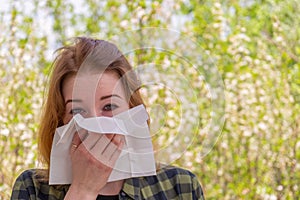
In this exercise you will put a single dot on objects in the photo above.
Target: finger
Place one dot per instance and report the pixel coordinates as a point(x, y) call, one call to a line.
point(76, 141)
point(82, 134)
point(91, 140)
point(110, 136)
point(117, 152)
point(113, 146)
point(100, 146)
point(119, 140)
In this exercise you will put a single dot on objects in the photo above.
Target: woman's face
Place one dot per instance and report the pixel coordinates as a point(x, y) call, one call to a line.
point(93, 95)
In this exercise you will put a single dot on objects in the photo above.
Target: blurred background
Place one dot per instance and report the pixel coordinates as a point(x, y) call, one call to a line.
point(255, 46)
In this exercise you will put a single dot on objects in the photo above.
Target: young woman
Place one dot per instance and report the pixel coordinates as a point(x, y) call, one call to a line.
point(93, 78)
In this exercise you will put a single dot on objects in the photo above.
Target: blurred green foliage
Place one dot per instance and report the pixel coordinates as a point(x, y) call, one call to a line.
point(254, 44)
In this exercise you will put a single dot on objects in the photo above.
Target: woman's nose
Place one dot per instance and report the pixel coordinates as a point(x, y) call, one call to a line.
point(93, 113)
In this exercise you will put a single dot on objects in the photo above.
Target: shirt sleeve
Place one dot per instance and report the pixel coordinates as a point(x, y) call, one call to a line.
point(197, 189)
point(24, 187)
point(171, 183)
point(31, 186)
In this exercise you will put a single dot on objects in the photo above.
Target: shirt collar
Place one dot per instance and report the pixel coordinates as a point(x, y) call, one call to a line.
point(132, 188)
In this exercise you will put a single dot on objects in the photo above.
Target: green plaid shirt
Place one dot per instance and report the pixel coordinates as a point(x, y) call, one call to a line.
point(169, 183)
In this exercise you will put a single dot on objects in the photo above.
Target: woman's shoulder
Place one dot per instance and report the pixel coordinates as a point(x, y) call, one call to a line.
point(32, 184)
point(28, 177)
point(29, 174)
point(177, 177)
point(170, 182)
point(173, 171)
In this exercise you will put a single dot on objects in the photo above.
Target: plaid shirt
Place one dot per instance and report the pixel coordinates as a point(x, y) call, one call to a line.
point(169, 183)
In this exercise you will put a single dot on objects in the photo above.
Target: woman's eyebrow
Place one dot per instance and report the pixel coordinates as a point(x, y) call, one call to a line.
point(109, 96)
point(73, 100)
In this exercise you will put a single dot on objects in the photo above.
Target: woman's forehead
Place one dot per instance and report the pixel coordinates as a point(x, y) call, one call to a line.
point(89, 84)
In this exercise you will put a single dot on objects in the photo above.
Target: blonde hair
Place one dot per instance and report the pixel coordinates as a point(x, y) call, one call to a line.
point(68, 62)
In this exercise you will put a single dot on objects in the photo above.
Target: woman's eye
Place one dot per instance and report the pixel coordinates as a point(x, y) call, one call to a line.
point(110, 107)
point(75, 111)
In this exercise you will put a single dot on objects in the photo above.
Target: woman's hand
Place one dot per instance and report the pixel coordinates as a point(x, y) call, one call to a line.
point(93, 158)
